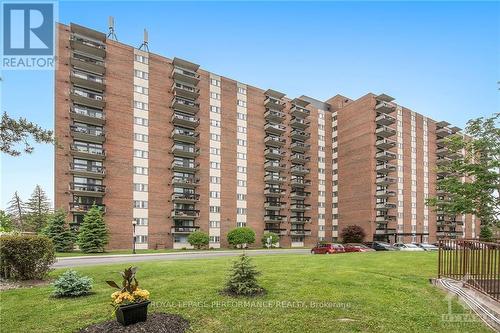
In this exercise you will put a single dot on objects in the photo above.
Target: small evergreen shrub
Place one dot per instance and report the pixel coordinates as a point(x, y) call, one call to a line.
point(59, 232)
point(241, 236)
point(26, 257)
point(72, 284)
point(352, 234)
point(242, 279)
point(198, 239)
point(270, 236)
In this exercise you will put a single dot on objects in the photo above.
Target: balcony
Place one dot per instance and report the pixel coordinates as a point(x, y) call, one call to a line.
point(385, 143)
point(299, 195)
point(274, 141)
point(188, 167)
point(300, 232)
point(185, 71)
point(386, 156)
point(440, 161)
point(299, 170)
point(273, 153)
point(299, 158)
point(274, 103)
point(299, 135)
point(87, 81)
point(88, 116)
point(276, 129)
point(386, 168)
point(86, 152)
point(188, 198)
point(274, 218)
point(86, 170)
point(299, 182)
point(299, 207)
point(385, 107)
point(86, 63)
point(385, 181)
point(277, 231)
point(385, 194)
point(87, 45)
point(81, 208)
point(185, 151)
point(384, 219)
point(443, 132)
point(184, 135)
point(300, 147)
point(271, 179)
point(274, 192)
point(274, 166)
point(89, 190)
point(185, 105)
point(300, 219)
point(188, 182)
point(183, 90)
point(273, 115)
point(385, 131)
point(299, 123)
point(300, 112)
point(185, 120)
point(384, 119)
point(274, 205)
point(185, 214)
point(95, 135)
point(385, 206)
point(183, 229)
point(87, 98)
point(442, 151)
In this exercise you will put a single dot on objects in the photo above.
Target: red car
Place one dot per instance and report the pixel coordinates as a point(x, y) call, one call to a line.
point(354, 247)
point(327, 248)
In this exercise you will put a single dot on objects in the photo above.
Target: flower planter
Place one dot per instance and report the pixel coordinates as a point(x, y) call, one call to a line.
point(132, 313)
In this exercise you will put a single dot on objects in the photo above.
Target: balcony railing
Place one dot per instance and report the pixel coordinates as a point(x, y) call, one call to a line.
point(385, 143)
point(84, 187)
point(184, 197)
point(385, 131)
point(300, 232)
point(385, 206)
point(185, 75)
point(299, 170)
point(386, 156)
point(183, 229)
point(188, 151)
point(88, 151)
point(180, 181)
point(184, 135)
point(273, 153)
point(185, 213)
point(385, 107)
point(87, 133)
point(274, 115)
point(386, 168)
point(185, 105)
point(299, 135)
point(300, 147)
point(300, 219)
point(386, 180)
point(275, 128)
point(299, 123)
point(76, 207)
point(185, 90)
point(273, 103)
point(273, 165)
point(184, 166)
point(184, 120)
point(298, 111)
point(86, 168)
point(299, 158)
point(274, 141)
point(87, 115)
point(384, 119)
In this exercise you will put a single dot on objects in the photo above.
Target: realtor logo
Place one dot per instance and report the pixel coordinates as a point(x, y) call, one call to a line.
point(28, 35)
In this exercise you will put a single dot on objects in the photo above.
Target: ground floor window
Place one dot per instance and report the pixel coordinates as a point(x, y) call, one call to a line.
point(297, 239)
point(214, 239)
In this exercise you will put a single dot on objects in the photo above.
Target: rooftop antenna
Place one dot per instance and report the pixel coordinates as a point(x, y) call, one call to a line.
point(145, 42)
point(111, 24)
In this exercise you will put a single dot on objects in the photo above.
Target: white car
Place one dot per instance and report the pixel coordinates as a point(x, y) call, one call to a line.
point(407, 247)
point(428, 247)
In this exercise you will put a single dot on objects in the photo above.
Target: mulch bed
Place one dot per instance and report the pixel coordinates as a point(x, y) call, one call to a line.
point(156, 323)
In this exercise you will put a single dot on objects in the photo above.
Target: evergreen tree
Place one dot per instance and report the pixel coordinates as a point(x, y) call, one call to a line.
point(17, 211)
point(59, 232)
point(243, 278)
point(486, 234)
point(5, 222)
point(38, 208)
point(93, 234)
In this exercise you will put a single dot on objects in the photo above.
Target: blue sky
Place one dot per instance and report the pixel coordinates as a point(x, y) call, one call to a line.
point(440, 59)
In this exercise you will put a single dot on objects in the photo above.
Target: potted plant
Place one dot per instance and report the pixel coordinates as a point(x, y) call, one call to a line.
point(130, 302)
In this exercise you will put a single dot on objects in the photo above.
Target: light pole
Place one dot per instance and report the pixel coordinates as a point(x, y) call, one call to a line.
point(134, 223)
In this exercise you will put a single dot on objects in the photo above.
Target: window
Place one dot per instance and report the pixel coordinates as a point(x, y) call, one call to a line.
point(141, 239)
point(242, 91)
point(241, 211)
point(214, 109)
point(321, 193)
point(215, 82)
point(141, 90)
point(214, 224)
point(214, 165)
point(214, 194)
point(141, 105)
point(214, 239)
point(140, 204)
point(141, 58)
point(140, 170)
point(214, 180)
point(214, 123)
point(141, 153)
point(140, 187)
point(241, 156)
point(241, 116)
point(241, 129)
point(242, 143)
point(214, 209)
point(240, 196)
point(214, 95)
point(141, 220)
point(140, 137)
point(214, 137)
point(242, 169)
point(141, 74)
point(242, 183)
point(242, 103)
point(215, 151)
point(141, 121)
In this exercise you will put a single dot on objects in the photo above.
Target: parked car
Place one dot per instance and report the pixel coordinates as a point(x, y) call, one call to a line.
point(355, 247)
point(427, 247)
point(327, 248)
point(380, 246)
point(407, 247)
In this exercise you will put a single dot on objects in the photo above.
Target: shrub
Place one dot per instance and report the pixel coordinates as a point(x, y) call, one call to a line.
point(240, 236)
point(25, 257)
point(270, 236)
point(59, 232)
point(72, 284)
point(486, 234)
point(352, 234)
point(93, 234)
point(198, 239)
point(243, 278)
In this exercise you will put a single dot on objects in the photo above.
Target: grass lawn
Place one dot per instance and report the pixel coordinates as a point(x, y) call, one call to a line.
point(360, 292)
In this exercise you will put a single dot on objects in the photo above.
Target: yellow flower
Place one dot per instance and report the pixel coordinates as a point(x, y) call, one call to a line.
point(141, 293)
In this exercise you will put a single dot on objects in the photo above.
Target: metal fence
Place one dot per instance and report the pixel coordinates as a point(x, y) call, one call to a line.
point(475, 263)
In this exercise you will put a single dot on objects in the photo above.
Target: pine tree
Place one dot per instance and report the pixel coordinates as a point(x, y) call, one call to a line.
point(17, 211)
point(38, 207)
point(93, 234)
point(59, 232)
point(243, 278)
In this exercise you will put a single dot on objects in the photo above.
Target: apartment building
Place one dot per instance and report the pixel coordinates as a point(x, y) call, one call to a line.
point(174, 148)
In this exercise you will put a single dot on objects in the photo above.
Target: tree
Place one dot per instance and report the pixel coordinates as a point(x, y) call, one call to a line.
point(6, 224)
point(13, 132)
point(270, 239)
point(17, 211)
point(352, 234)
point(477, 158)
point(38, 208)
point(59, 232)
point(486, 234)
point(93, 234)
point(198, 239)
point(242, 279)
point(241, 236)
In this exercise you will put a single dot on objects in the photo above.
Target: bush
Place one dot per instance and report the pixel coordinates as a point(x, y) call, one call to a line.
point(59, 232)
point(25, 257)
point(243, 278)
point(198, 239)
point(93, 234)
point(486, 234)
point(72, 284)
point(270, 236)
point(352, 234)
point(240, 236)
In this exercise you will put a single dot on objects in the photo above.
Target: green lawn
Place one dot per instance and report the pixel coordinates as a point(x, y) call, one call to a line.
point(361, 292)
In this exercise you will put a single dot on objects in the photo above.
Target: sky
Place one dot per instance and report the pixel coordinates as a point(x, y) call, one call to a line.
point(441, 59)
